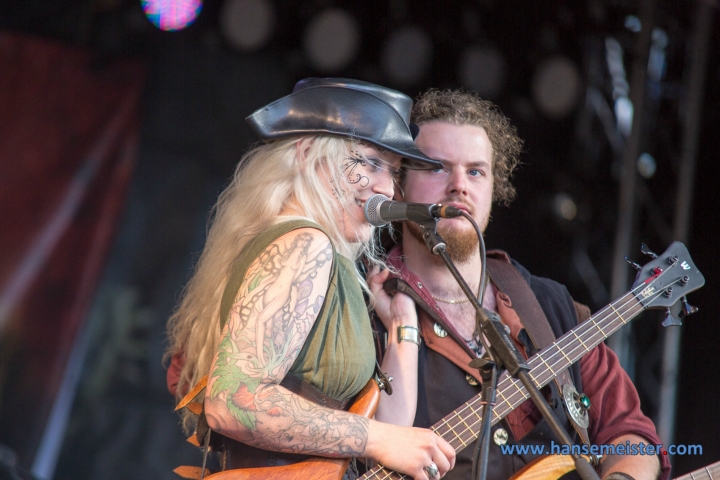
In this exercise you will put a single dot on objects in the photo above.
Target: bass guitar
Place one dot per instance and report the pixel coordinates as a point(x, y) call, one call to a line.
point(659, 284)
point(553, 467)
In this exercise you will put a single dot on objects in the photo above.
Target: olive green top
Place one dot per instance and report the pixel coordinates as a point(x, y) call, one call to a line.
point(338, 357)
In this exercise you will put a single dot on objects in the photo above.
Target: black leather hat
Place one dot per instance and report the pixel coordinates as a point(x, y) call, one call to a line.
point(351, 108)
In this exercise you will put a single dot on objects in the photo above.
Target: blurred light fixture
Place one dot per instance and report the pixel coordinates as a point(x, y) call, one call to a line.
point(247, 24)
point(171, 15)
point(556, 87)
point(407, 55)
point(633, 23)
point(564, 206)
point(646, 165)
point(656, 59)
point(624, 109)
point(624, 112)
point(331, 40)
point(483, 69)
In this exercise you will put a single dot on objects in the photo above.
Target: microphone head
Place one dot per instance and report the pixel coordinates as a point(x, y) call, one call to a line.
point(372, 210)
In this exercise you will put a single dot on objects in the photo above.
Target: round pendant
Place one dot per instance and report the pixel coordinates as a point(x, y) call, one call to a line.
point(500, 437)
point(576, 406)
point(440, 331)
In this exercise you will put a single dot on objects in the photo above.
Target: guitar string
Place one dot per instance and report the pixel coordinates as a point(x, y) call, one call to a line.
point(607, 316)
point(519, 389)
point(558, 348)
point(593, 323)
point(503, 380)
point(514, 383)
point(512, 399)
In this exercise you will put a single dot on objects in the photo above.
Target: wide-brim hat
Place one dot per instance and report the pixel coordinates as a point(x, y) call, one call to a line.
point(350, 108)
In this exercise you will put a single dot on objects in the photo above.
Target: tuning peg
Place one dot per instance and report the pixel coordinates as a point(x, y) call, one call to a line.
point(670, 319)
point(636, 266)
point(646, 251)
point(687, 309)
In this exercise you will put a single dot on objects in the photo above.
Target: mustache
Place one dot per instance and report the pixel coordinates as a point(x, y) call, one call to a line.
point(458, 201)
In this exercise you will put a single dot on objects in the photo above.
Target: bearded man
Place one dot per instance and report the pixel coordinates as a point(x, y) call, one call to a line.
point(430, 324)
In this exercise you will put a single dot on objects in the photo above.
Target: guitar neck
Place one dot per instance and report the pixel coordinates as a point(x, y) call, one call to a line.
point(706, 473)
point(460, 428)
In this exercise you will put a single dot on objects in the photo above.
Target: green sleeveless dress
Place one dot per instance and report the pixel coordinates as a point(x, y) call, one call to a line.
point(338, 357)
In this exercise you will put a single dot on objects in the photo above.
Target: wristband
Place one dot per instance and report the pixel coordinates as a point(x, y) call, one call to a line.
point(408, 334)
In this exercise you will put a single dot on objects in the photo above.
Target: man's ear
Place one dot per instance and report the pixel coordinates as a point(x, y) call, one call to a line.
point(302, 147)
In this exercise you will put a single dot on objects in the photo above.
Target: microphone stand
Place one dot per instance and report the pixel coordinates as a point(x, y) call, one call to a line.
point(501, 352)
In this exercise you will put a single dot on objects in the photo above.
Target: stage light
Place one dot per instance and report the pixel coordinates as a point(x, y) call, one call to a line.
point(331, 40)
point(171, 15)
point(633, 23)
point(556, 87)
point(624, 109)
point(564, 206)
point(407, 55)
point(483, 69)
point(646, 165)
point(247, 24)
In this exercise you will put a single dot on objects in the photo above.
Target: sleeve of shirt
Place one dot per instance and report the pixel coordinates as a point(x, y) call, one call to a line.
point(614, 402)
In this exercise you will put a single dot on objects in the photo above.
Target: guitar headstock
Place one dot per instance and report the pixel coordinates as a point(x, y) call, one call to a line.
point(666, 279)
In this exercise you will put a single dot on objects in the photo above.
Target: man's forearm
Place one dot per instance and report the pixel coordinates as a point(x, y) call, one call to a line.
point(639, 467)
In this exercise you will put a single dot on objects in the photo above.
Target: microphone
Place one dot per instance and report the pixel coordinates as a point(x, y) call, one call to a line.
point(380, 210)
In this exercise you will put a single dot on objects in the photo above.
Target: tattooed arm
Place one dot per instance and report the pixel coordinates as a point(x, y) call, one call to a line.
point(259, 344)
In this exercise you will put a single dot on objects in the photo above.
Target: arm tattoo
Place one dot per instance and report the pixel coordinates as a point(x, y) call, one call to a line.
point(268, 324)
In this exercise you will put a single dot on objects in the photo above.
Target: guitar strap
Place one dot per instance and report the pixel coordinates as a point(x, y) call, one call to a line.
point(511, 282)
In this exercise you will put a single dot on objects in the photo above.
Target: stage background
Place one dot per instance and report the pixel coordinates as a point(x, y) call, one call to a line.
point(116, 138)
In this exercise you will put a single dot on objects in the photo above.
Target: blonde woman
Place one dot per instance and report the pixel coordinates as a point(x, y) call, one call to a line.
point(274, 313)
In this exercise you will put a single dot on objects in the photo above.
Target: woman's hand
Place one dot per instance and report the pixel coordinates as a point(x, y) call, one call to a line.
point(395, 310)
point(400, 359)
point(409, 450)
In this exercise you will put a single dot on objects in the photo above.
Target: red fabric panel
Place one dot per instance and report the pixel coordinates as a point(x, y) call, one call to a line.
point(68, 147)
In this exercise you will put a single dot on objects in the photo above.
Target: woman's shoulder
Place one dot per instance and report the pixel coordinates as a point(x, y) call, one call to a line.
point(293, 226)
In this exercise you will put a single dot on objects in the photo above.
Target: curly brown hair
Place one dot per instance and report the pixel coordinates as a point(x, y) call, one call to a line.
point(465, 108)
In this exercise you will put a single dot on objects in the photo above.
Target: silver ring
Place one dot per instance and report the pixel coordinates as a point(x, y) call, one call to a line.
point(432, 470)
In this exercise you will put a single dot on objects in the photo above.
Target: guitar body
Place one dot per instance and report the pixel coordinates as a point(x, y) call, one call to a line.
point(318, 468)
point(548, 467)
point(552, 467)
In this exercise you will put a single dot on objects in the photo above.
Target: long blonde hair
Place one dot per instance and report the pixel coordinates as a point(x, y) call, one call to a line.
point(268, 180)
